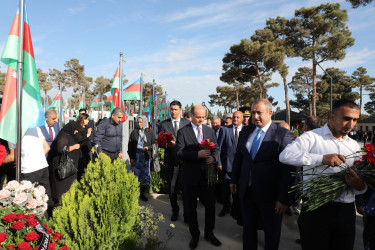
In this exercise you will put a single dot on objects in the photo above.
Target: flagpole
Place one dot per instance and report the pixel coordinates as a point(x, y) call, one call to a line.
point(19, 90)
point(153, 111)
point(61, 103)
point(140, 102)
point(121, 84)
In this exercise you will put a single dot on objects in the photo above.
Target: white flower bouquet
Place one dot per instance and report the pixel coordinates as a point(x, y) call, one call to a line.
point(23, 197)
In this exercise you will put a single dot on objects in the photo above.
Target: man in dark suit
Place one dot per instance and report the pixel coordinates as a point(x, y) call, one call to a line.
point(51, 128)
point(172, 163)
point(227, 152)
point(193, 176)
point(260, 179)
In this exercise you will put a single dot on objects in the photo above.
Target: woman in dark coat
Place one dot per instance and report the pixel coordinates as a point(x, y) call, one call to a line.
point(67, 140)
point(83, 137)
point(139, 150)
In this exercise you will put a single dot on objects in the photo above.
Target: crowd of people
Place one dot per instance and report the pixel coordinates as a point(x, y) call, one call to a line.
point(256, 162)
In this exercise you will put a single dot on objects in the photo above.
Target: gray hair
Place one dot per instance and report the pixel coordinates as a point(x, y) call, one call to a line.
point(49, 113)
point(117, 111)
point(215, 117)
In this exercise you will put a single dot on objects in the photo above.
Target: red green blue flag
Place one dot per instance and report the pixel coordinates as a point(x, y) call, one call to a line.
point(95, 102)
point(82, 102)
point(115, 90)
point(31, 97)
point(132, 91)
point(55, 105)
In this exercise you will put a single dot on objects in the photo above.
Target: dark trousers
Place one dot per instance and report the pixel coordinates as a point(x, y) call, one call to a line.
point(255, 213)
point(173, 175)
point(7, 170)
point(332, 226)
point(369, 232)
point(42, 177)
point(112, 155)
point(225, 191)
point(206, 195)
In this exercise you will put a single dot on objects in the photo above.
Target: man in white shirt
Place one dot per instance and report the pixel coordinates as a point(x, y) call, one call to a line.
point(332, 226)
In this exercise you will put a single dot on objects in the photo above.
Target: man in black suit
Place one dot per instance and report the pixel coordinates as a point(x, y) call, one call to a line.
point(260, 179)
point(172, 163)
point(193, 175)
point(227, 152)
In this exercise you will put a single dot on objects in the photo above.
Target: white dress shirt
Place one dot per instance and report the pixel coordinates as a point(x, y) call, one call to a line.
point(53, 130)
point(308, 150)
point(253, 135)
point(178, 122)
point(238, 128)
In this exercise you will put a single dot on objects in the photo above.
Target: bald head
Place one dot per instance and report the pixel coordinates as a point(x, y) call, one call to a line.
point(237, 118)
point(285, 125)
point(51, 117)
point(198, 113)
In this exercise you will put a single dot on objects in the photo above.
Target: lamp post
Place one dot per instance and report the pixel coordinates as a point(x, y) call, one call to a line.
point(330, 83)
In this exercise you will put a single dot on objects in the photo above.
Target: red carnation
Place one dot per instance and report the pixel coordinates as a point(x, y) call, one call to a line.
point(57, 236)
point(30, 216)
point(3, 236)
point(49, 230)
point(32, 236)
point(356, 162)
point(3, 153)
point(9, 247)
point(369, 148)
point(51, 246)
point(64, 248)
point(20, 216)
point(9, 217)
point(24, 246)
point(18, 225)
point(32, 222)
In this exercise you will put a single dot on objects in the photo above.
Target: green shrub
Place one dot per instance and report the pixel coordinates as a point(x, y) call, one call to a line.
point(100, 211)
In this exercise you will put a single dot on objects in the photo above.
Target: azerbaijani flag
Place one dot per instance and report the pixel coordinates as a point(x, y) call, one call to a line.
point(95, 102)
point(130, 110)
point(82, 102)
point(163, 109)
point(31, 98)
point(108, 98)
point(55, 105)
point(132, 91)
point(115, 90)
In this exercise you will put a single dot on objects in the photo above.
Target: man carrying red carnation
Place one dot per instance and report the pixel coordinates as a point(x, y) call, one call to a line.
point(172, 164)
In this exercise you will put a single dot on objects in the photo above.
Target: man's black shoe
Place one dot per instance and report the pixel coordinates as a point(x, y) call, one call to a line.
point(174, 217)
point(143, 197)
point(223, 212)
point(186, 220)
point(211, 237)
point(193, 242)
point(298, 241)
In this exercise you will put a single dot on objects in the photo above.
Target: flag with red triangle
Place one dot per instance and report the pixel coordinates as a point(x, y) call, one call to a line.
point(82, 102)
point(31, 97)
point(55, 105)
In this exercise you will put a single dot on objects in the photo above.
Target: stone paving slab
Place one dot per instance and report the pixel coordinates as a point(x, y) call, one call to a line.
point(226, 229)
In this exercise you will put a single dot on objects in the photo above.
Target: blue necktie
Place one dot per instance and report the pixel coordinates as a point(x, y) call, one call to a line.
point(254, 149)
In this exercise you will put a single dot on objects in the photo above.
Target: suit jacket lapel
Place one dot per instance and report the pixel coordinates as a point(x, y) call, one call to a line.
point(170, 125)
point(192, 134)
point(247, 135)
point(267, 137)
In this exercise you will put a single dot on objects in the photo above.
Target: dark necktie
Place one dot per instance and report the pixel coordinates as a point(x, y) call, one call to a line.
point(175, 127)
point(50, 133)
point(236, 135)
point(254, 149)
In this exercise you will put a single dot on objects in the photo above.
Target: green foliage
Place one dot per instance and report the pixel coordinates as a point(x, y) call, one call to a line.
point(100, 211)
point(158, 182)
point(357, 3)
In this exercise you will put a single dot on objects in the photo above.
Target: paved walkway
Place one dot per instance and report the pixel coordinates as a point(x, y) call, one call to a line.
point(226, 230)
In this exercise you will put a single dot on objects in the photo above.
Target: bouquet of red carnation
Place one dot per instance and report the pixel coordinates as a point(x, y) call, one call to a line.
point(164, 138)
point(325, 187)
point(209, 169)
point(25, 231)
point(3, 153)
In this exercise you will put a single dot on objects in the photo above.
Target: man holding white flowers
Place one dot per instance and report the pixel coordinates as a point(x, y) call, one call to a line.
point(329, 149)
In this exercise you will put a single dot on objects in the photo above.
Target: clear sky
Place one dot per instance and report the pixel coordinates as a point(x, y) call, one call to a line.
point(179, 43)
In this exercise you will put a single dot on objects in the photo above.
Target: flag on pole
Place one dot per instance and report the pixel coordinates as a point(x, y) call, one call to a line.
point(132, 91)
point(115, 90)
point(82, 102)
point(107, 97)
point(55, 105)
point(130, 110)
point(95, 102)
point(31, 97)
point(163, 109)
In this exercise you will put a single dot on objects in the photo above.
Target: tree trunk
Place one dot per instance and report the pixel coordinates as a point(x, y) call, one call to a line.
point(360, 98)
point(237, 100)
point(313, 106)
point(287, 118)
point(260, 82)
point(310, 105)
